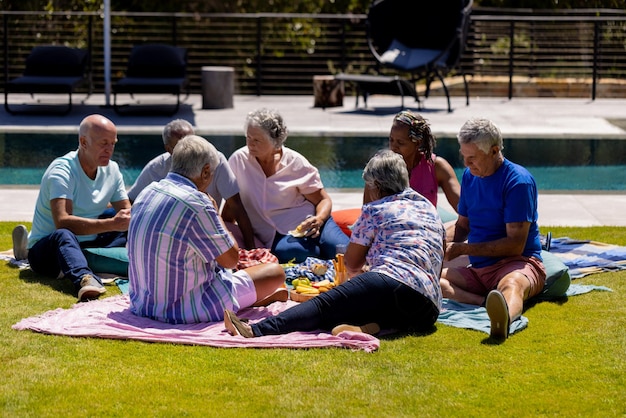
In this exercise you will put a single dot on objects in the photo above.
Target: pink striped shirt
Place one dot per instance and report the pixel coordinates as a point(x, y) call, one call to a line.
point(173, 239)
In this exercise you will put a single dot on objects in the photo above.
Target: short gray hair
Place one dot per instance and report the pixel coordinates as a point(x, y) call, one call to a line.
point(387, 172)
point(191, 154)
point(176, 130)
point(271, 122)
point(481, 132)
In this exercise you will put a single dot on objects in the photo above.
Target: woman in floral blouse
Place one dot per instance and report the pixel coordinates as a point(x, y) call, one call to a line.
point(394, 260)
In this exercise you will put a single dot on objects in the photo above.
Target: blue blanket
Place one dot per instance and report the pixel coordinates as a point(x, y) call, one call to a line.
point(588, 257)
point(462, 315)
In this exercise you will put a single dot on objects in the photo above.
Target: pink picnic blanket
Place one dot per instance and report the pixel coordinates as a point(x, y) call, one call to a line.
point(111, 318)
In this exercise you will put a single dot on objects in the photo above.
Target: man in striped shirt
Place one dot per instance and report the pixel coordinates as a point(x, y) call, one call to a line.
point(180, 252)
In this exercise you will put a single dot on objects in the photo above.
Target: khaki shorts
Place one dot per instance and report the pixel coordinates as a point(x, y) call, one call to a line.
point(481, 280)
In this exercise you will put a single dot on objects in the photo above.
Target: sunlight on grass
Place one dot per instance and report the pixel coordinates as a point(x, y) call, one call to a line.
point(570, 361)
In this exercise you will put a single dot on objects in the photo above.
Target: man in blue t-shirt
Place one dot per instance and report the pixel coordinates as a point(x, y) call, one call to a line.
point(498, 218)
point(75, 191)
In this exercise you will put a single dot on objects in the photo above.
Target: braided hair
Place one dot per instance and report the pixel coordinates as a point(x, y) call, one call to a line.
point(419, 130)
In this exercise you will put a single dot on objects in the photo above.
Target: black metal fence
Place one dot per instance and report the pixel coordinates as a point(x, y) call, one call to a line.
point(280, 53)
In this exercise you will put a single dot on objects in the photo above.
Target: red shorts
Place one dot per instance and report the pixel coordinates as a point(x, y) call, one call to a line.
point(481, 280)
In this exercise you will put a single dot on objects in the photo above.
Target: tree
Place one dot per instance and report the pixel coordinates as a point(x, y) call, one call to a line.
point(278, 6)
point(197, 6)
point(553, 4)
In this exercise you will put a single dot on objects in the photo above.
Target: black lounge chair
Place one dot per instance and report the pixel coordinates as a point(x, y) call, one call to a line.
point(49, 69)
point(422, 38)
point(153, 69)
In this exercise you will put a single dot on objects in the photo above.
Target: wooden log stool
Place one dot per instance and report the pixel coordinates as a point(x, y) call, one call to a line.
point(218, 87)
point(328, 91)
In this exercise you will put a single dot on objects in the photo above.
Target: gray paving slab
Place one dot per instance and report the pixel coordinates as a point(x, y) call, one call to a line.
point(520, 117)
point(584, 209)
point(526, 117)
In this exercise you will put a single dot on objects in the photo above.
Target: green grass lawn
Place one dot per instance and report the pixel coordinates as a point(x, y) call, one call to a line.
point(570, 361)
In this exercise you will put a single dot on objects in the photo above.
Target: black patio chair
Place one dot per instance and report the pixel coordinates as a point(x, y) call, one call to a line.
point(423, 38)
point(49, 69)
point(153, 69)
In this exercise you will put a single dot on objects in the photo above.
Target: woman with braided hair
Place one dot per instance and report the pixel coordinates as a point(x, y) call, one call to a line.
point(411, 137)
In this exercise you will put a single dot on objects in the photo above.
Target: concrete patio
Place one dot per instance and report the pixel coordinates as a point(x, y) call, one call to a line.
point(544, 118)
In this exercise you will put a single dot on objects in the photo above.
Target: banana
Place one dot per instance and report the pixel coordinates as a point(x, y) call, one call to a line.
point(307, 290)
point(300, 281)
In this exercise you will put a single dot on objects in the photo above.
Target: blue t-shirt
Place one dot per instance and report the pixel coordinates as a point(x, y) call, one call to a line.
point(65, 179)
point(509, 195)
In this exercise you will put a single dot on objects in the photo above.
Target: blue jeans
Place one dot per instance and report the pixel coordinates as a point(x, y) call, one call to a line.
point(61, 251)
point(368, 297)
point(287, 248)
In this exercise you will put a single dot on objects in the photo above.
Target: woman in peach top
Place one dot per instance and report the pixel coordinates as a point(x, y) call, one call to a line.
point(283, 193)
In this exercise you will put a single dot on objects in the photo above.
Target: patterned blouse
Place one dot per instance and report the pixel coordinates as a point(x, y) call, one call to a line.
point(405, 237)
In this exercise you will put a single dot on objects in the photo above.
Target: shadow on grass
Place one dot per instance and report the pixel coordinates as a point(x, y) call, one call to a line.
point(493, 341)
point(558, 300)
point(60, 285)
point(390, 335)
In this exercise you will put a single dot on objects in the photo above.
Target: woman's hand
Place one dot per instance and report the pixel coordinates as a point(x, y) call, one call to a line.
point(323, 206)
point(311, 226)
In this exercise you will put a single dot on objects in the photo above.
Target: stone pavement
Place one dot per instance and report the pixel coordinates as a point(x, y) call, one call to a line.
point(519, 117)
point(544, 118)
point(586, 209)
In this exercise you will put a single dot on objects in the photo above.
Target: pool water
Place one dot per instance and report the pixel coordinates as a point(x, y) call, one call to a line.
point(557, 164)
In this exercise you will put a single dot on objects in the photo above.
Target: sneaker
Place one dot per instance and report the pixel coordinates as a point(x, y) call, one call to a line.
point(498, 312)
point(236, 326)
point(90, 288)
point(371, 328)
point(20, 242)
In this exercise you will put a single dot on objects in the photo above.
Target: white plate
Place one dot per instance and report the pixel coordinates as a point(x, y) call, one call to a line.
point(297, 234)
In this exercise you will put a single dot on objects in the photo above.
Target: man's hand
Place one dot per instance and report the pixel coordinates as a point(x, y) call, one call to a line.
point(453, 250)
point(121, 220)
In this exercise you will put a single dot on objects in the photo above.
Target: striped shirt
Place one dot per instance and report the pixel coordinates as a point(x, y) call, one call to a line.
point(173, 239)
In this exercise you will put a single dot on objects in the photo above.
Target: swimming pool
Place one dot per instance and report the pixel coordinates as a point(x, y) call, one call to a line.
point(557, 164)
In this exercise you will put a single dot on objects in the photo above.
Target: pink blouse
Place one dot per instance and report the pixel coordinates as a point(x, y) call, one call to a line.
point(277, 202)
point(423, 179)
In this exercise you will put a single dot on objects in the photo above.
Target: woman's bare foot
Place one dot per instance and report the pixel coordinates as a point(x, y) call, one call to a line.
point(371, 328)
point(279, 295)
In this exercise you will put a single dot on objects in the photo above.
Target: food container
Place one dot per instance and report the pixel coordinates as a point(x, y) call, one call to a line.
point(299, 297)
